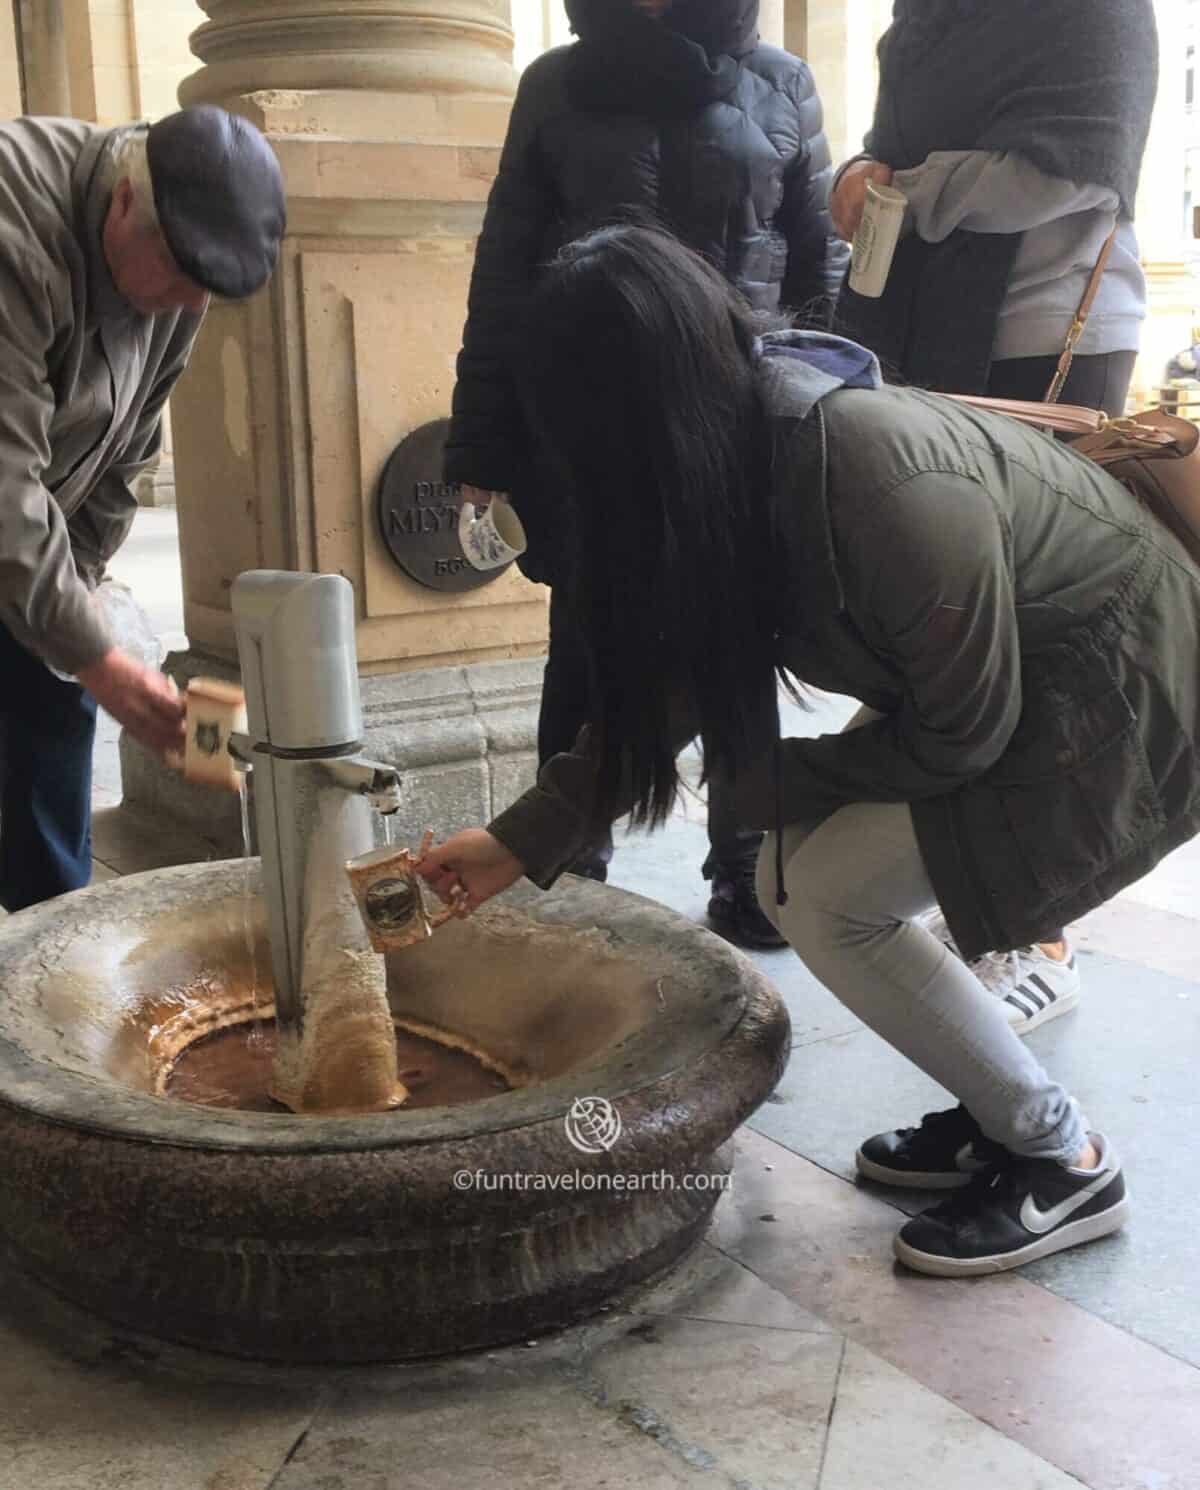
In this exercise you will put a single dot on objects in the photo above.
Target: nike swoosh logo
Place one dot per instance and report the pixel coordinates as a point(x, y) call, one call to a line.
point(1034, 1219)
point(966, 1161)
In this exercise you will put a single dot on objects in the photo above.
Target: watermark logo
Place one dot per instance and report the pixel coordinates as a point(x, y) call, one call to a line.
point(593, 1124)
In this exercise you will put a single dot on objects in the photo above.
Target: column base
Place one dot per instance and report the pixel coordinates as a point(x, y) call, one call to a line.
point(156, 488)
point(464, 740)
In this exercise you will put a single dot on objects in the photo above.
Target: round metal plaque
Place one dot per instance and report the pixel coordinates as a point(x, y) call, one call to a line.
point(418, 514)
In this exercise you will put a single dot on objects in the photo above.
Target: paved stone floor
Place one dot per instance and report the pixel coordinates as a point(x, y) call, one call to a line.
point(788, 1353)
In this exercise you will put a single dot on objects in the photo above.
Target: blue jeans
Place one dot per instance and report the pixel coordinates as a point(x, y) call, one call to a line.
point(857, 888)
point(47, 730)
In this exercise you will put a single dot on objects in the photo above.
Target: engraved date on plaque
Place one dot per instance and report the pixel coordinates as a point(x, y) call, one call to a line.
point(419, 513)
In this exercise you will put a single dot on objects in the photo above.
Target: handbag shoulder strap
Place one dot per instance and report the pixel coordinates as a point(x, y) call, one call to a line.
point(1154, 427)
point(1085, 307)
point(1067, 419)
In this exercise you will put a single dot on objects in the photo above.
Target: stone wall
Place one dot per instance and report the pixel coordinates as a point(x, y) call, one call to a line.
point(11, 100)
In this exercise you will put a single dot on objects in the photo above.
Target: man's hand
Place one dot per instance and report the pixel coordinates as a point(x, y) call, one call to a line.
point(474, 860)
point(850, 194)
point(145, 701)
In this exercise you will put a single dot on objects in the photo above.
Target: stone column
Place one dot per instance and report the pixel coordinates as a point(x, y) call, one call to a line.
point(47, 70)
point(11, 100)
point(795, 28)
point(387, 117)
point(1162, 231)
point(388, 46)
point(839, 37)
point(771, 22)
point(161, 58)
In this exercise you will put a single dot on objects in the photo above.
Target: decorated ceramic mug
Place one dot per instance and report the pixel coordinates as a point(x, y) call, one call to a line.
point(392, 899)
point(491, 536)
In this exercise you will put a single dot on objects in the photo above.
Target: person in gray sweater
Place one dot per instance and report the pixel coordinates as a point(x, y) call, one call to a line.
point(111, 242)
point(1025, 635)
point(1015, 134)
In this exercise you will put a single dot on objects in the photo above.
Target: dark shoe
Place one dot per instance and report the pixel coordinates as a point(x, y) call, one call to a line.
point(946, 1151)
point(734, 911)
point(1029, 1209)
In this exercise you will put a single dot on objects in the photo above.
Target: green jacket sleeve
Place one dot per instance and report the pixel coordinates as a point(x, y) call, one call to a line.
point(547, 826)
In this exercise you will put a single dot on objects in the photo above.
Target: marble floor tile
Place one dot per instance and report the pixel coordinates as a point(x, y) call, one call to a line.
point(709, 1286)
point(529, 1429)
point(888, 1430)
point(748, 1403)
point(128, 844)
point(1084, 1395)
point(67, 1425)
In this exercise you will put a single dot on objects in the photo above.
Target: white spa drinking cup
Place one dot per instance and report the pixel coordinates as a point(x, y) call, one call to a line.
point(876, 239)
point(491, 536)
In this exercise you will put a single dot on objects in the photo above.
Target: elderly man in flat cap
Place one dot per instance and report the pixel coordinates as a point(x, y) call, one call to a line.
point(111, 242)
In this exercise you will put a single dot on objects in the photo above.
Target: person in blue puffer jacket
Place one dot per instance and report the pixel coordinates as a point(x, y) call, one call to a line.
point(672, 112)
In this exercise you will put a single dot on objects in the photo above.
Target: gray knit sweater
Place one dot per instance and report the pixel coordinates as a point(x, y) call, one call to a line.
point(1064, 225)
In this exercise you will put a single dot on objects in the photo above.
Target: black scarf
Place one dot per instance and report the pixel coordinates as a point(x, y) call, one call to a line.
point(627, 63)
point(1068, 83)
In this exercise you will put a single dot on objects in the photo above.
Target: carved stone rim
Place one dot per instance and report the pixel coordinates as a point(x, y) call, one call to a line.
point(324, 38)
point(389, 46)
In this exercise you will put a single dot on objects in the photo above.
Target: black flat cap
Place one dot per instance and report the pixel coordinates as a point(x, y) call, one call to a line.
point(219, 195)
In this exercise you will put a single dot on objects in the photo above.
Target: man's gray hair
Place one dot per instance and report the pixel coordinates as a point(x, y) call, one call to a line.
point(132, 163)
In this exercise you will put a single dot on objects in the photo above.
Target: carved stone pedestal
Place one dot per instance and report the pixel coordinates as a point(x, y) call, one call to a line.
point(387, 117)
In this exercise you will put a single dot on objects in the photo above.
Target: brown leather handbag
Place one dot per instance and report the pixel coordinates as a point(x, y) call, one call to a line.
point(1155, 454)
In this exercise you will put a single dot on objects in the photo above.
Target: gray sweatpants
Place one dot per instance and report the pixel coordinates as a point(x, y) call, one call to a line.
point(854, 886)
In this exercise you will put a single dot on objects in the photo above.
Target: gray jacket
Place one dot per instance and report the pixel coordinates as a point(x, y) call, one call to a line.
point(1030, 635)
point(83, 381)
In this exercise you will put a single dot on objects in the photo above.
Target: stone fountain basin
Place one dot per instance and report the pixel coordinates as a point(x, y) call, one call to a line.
point(278, 1237)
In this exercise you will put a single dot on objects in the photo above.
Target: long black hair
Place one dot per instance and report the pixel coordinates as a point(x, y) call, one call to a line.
point(639, 380)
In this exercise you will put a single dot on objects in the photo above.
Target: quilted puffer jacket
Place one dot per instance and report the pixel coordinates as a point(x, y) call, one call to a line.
point(687, 120)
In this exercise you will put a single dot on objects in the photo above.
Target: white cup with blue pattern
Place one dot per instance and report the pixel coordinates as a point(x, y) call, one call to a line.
point(491, 536)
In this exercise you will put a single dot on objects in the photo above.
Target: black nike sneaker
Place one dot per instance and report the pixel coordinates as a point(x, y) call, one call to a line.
point(947, 1150)
point(1027, 1210)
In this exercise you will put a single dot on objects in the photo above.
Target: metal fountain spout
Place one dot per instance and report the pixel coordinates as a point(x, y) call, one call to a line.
point(316, 797)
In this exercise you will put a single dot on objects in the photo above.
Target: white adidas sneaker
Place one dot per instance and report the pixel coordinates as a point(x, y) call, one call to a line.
point(1033, 986)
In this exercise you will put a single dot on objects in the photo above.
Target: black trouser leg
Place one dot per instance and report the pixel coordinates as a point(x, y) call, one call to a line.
point(564, 709)
point(1100, 382)
point(730, 847)
point(564, 712)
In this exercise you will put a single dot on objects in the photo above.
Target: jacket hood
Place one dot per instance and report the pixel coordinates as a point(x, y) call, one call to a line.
point(718, 27)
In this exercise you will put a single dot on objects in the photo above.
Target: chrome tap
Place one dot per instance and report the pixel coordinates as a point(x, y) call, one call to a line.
point(316, 797)
point(380, 784)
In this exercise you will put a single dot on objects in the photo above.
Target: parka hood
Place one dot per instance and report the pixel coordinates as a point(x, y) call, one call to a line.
point(718, 27)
